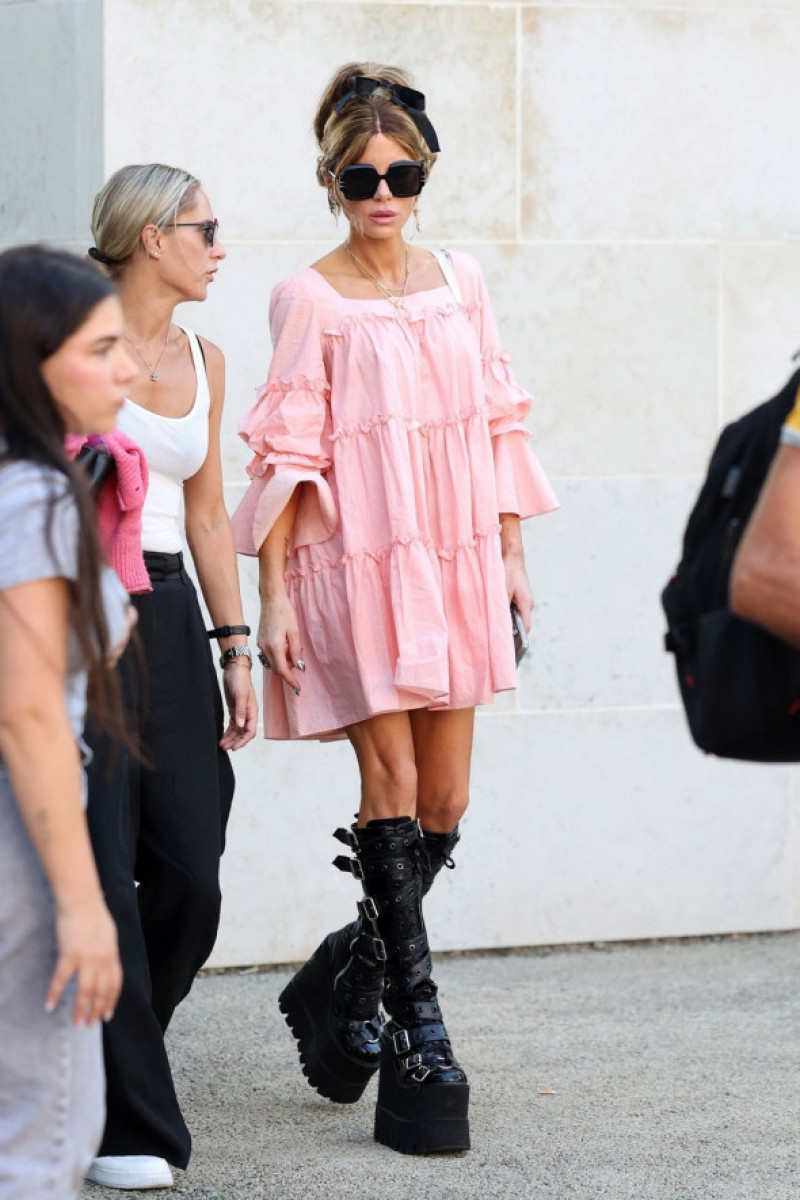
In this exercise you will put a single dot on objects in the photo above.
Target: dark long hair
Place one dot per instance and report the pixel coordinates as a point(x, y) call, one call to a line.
point(45, 297)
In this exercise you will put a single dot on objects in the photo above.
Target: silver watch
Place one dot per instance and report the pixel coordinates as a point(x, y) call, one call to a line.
point(236, 652)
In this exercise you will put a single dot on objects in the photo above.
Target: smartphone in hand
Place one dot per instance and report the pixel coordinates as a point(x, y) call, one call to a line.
point(520, 636)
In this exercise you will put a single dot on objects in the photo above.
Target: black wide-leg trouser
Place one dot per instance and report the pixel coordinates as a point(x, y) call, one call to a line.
point(159, 824)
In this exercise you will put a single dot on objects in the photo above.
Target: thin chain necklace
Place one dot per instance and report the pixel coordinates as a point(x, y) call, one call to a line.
point(154, 368)
point(395, 296)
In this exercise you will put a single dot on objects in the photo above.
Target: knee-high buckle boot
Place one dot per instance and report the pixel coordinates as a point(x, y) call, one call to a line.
point(423, 1094)
point(332, 1004)
point(336, 1022)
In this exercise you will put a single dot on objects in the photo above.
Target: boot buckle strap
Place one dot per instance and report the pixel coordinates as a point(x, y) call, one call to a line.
point(401, 1042)
point(379, 949)
point(414, 1067)
point(347, 837)
point(368, 909)
point(349, 864)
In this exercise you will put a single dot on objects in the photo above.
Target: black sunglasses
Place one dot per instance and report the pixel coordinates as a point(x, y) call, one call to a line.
point(361, 181)
point(209, 228)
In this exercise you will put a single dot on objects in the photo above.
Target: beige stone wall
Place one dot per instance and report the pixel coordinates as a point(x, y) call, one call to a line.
point(51, 107)
point(628, 176)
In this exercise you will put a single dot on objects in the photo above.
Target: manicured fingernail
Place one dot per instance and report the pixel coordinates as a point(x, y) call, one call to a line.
point(49, 1006)
point(296, 691)
point(301, 666)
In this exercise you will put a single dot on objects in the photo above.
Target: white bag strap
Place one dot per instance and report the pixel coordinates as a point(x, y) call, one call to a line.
point(446, 265)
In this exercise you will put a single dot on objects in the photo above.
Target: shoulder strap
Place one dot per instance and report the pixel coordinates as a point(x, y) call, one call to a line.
point(448, 270)
point(199, 360)
point(196, 347)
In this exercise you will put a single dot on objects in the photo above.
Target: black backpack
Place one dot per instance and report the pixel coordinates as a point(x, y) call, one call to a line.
point(740, 686)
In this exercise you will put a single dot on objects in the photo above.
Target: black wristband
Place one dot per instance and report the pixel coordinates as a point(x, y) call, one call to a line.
point(228, 631)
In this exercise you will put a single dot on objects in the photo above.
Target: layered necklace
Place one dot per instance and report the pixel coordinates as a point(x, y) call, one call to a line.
point(395, 296)
point(152, 368)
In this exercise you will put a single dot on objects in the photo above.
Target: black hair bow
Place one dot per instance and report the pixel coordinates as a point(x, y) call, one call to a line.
point(413, 102)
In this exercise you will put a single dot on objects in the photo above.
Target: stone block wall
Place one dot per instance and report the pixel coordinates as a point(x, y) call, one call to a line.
point(628, 176)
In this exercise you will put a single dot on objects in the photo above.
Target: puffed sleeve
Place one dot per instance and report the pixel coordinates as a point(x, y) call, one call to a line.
point(522, 486)
point(288, 429)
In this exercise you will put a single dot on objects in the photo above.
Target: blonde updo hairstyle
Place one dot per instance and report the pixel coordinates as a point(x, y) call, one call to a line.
point(343, 137)
point(136, 196)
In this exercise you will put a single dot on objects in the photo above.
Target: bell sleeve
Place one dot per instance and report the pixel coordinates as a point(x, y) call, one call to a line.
point(288, 429)
point(522, 486)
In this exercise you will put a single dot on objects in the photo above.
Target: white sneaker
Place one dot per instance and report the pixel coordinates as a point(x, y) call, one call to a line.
point(131, 1172)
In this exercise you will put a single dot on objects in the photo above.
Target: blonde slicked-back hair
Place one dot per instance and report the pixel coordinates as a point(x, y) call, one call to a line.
point(135, 196)
point(343, 137)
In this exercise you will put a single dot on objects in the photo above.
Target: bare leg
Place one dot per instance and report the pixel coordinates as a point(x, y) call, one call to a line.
point(423, 1094)
point(384, 748)
point(331, 1005)
point(442, 753)
point(415, 764)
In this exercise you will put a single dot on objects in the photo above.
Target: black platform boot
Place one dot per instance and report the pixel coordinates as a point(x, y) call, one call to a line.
point(423, 1094)
point(437, 851)
point(332, 1004)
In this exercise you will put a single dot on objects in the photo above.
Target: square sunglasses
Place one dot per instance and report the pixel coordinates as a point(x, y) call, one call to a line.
point(361, 180)
point(209, 228)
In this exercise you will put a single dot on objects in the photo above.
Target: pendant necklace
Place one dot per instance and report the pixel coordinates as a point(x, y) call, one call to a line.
point(154, 368)
point(395, 296)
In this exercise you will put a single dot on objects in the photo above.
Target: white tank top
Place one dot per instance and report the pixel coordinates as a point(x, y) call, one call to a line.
point(175, 449)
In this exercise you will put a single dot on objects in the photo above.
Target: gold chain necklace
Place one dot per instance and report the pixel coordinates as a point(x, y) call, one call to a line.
point(395, 296)
point(152, 369)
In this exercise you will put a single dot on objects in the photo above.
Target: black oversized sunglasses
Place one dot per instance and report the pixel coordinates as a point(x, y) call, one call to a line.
point(209, 228)
point(361, 180)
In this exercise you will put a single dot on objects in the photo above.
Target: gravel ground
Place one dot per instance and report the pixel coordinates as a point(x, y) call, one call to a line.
point(668, 1071)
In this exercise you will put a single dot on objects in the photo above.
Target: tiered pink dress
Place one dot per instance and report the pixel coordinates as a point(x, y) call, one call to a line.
point(405, 429)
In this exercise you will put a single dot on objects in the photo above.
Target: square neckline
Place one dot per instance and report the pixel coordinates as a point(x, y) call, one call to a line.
point(444, 286)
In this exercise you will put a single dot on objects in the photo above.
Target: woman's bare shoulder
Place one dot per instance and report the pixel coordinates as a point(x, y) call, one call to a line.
point(211, 351)
point(331, 263)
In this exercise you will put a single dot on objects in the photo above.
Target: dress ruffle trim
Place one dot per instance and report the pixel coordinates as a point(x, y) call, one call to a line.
point(267, 497)
point(522, 486)
point(508, 403)
point(402, 631)
point(291, 414)
point(369, 426)
point(446, 553)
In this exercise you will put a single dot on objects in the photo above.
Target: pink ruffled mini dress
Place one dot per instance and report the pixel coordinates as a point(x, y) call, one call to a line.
point(404, 428)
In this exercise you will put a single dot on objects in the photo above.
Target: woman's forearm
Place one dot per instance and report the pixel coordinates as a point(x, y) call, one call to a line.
point(47, 787)
point(513, 551)
point(214, 554)
point(510, 535)
point(274, 551)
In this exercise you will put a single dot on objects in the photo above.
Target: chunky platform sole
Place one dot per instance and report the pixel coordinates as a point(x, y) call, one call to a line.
point(306, 1005)
point(421, 1118)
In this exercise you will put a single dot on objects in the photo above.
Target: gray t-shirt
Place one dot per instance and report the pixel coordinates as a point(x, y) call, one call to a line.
point(34, 498)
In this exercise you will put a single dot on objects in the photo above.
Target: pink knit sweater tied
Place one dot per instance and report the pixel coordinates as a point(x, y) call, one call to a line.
point(119, 507)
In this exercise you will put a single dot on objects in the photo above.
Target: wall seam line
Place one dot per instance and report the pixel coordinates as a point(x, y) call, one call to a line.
point(720, 337)
point(518, 118)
